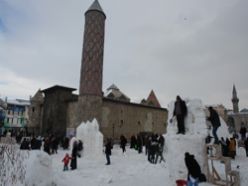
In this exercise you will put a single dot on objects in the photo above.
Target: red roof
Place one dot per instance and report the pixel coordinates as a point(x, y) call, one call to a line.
point(152, 99)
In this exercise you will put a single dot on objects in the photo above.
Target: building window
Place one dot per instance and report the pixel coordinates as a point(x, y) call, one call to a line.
point(139, 123)
point(33, 109)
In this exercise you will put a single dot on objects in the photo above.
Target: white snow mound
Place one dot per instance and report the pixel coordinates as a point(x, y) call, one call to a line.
point(39, 169)
point(91, 137)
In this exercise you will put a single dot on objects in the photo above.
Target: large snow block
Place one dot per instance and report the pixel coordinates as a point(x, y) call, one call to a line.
point(175, 148)
point(193, 141)
point(196, 128)
point(91, 137)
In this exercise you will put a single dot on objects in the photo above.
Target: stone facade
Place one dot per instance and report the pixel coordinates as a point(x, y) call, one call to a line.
point(60, 109)
point(35, 113)
point(55, 107)
point(130, 118)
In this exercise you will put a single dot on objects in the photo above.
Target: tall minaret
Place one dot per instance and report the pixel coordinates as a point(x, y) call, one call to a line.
point(92, 55)
point(235, 100)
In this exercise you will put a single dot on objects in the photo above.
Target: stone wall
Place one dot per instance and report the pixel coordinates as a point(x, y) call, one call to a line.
point(129, 119)
point(86, 108)
point(55, 112)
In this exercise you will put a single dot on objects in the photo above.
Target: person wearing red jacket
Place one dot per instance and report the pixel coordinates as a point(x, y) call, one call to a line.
point(66, 161)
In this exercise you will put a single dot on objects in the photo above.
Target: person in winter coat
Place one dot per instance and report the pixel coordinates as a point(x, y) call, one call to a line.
point(246, 146)
point(139, 143)
point(123, 142)
point(66, 161)
point(232, 148)
point(133, 142)
point(180, 112)
point(243, 133)
point(215, 121)
point(194, 170)
point(160, 149)
point(153, 149)
point(74, 155)
point(80, 148)
point(108, 147)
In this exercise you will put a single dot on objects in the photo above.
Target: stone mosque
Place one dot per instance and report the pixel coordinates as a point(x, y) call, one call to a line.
point(57, 110)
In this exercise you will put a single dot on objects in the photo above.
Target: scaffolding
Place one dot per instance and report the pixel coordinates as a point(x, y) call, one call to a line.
point(214, 155)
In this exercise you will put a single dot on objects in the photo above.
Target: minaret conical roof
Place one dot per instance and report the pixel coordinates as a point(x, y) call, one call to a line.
point(234, 94)
point(95, 6)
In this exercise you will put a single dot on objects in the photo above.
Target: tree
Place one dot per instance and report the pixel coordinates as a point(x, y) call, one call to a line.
point(12, 166)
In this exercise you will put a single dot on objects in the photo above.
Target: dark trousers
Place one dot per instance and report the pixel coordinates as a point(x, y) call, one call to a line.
point(74, 163)
point(108, 158)
point(123, 148)
point(214, 131)
point(180, 124)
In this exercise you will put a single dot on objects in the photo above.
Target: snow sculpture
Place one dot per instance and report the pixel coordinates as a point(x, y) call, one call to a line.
point(193, 141)
point(91, 137)
point(39, 169)
point(196, 127)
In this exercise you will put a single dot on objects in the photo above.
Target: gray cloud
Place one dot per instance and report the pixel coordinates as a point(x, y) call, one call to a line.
point(194, 48)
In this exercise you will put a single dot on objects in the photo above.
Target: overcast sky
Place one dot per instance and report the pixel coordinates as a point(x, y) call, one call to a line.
point(194, 48)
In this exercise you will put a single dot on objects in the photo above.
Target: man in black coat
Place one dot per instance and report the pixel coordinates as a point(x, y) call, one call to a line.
point(108, 147)
point(246, 146)
point(74, 155)
point(194, 170)
point(215, 121)
point(180, 111)
point(123, 142)
point(243, 132)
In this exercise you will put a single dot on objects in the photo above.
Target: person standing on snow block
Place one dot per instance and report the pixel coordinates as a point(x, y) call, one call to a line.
point(180, 111)
point(66, 161)
point(215, 121)
point(108, 147)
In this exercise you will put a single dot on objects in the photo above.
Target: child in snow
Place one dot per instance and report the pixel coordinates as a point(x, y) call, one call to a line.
point(66, 161)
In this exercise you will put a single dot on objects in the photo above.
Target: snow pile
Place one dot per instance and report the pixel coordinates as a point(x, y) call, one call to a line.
point(196, 127)
point(91, 137)
point(39, 169)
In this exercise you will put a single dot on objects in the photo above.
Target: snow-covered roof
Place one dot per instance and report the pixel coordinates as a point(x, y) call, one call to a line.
point(20, 102)
point(244, 110)
point(113, 86)
point(114, 92)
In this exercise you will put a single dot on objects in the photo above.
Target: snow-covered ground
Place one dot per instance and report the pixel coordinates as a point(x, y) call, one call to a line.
point(130, 169)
